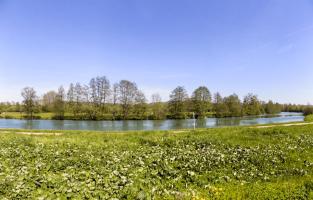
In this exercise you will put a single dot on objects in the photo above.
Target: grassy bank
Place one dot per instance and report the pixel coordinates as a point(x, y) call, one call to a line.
point(19, 115)
point(223, 163)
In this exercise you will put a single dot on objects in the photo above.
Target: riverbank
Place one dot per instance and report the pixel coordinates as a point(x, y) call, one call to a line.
point(20, 115)
point(221, 163)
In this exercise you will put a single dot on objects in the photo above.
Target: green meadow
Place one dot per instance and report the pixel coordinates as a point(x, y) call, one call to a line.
point(220, 163)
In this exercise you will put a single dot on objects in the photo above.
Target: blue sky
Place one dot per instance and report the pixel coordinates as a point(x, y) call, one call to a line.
point(264, 47)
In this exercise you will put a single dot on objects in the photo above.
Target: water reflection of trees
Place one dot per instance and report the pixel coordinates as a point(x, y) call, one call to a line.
point(28, 124)
point(157, 124)
point(201, 123)
point(178, 124)
point(143, 125)
point(235, 121)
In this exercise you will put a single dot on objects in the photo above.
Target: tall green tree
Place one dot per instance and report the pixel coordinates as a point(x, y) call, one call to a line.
point(29, 102)
point(308, 110)
point(201, 101)
point(233, 104)
point(219, 106)
point(177, 103)
point(2, 108)
point(251, 105)
point(272, 108)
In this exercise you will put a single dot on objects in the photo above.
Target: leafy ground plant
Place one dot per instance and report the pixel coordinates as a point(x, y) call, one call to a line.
point(223, 163)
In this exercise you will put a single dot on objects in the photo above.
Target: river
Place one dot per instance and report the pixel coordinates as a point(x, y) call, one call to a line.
point(148, 124)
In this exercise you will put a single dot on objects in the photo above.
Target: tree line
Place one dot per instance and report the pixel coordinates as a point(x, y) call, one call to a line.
point(99, 100)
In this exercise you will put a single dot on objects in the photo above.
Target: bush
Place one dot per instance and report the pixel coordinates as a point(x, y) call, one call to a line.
point(181, 115)
point(308, 118)
point(308, 110)
point(29, 118)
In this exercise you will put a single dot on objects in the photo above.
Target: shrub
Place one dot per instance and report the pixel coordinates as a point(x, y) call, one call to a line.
point(308, 118)
point(308, 110)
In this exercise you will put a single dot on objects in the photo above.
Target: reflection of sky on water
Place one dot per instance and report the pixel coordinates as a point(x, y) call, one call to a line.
point(147, 124)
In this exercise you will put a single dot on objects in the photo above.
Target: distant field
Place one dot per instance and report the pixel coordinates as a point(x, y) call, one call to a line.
point(18, 115)
point(222, 163)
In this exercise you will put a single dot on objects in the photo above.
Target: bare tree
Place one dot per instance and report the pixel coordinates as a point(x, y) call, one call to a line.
point(158, 108)
point(115, 93)
point(156, 98)
point(48, 101)
point(70, 94)
point(59, 104)
point(177, 102)
point(100, 91)
point(127, 94)
point(85, 94)
point(104, 88)
point(140, 107)
point(78, 98)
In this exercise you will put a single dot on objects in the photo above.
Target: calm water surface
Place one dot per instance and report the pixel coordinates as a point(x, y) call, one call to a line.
point(148, 124)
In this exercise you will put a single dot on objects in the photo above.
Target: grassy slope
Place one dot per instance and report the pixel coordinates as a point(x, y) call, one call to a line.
point(209, 163)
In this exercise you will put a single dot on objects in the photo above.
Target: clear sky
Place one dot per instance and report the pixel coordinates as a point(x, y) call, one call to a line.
point(259, 46)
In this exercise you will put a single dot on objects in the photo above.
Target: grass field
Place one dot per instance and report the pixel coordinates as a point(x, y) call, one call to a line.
point(222, 163)
point(18, 115)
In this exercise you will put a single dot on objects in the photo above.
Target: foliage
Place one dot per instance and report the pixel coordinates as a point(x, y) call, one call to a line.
point(201, 101)
point(251, 105)
point(227, 107)
point(309, 118)
point(224, 163)
point(220, 108)
point(177, 103)
point(308, 110)
point(271, 108)
point(99, 100)
point(294, 108)
point(29, 101)
point(233, 106)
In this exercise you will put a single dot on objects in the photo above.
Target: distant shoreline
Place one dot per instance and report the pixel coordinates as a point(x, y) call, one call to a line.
point(49, 116)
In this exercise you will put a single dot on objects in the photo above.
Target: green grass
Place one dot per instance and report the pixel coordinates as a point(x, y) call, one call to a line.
point(221, 163)
point(11, 115)
point(18, 115)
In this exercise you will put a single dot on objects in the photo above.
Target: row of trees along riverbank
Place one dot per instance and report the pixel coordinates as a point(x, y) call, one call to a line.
point(99, 100)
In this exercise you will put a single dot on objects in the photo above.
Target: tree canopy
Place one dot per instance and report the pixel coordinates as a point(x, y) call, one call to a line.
point(101, 100)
